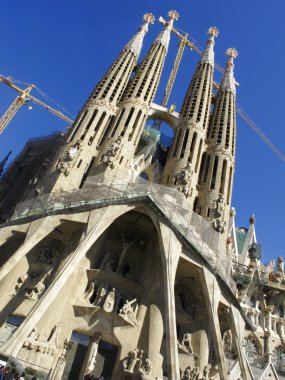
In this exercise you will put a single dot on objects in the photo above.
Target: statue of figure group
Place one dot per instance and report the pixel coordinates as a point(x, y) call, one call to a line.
point(110, 154)
point(195, 373)
point(133, 363)
point(183, 179)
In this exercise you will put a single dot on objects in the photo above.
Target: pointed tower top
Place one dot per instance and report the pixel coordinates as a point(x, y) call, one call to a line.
point(208, 54)
point(135, 44)
point(228, 82)
point(164, 36)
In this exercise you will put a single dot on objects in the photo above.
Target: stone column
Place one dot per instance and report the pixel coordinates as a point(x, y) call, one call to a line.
point(237, 325)
point(60, 365)
point(90, 358)
point(102, 219)
point(170, 248)
point(212, 295)
point(43, 229)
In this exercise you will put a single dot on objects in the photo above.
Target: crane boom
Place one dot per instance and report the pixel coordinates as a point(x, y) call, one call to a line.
point(24, 98)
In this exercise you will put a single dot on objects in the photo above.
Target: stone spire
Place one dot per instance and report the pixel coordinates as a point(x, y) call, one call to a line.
point(228, 82)
point(94, 119)
point(3, 162)
point(218, 161)
point(126, 130)
point(135, 44)
point(189, 136)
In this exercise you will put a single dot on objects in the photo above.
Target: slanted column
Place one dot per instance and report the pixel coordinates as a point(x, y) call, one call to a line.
point(212, 295)
point(237, 325)
point(90, 359)
point(171, 249)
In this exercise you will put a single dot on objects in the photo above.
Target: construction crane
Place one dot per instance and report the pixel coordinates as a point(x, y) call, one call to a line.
point(185, 42)
point(24, 97)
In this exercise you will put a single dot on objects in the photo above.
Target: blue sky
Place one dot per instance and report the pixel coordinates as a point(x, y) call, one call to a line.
point(64, 47)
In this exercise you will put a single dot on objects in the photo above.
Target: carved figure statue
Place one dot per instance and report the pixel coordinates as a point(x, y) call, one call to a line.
point(64, 162)
point(130, 362)
point(89, 291)
point(280, 265)
point(48, 256)
point(146, 368)
point(186, 342)
point(108, 263)
point(20, 282)
point(110, 301)
point(100, 295)
point(219, 225)
point(183, 179)
point(35, 292)
point(110, 154)
point(129, 313)
point(53, 339)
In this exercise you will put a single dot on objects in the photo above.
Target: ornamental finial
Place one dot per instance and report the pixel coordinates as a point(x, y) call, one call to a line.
point(213, 31)
point(252, 219)
point(173, 14)
point(149, 18)
point(233, 212)
point(232, 53)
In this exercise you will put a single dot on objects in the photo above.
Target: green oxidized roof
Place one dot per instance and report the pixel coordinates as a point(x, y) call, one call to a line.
point(241, 234)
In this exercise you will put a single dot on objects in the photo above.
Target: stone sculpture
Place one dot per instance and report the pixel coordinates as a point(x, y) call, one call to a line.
point(110, 301)
point(129, 312)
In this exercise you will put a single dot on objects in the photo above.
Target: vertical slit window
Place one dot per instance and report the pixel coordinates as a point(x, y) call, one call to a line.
point(118, 122)
point(214, 173)
point(177, 143)
point(79, 124)
point(223, 177)
point(192, 147)
point(230, 185)
point(206, 170)
point(198, 156)
point(185, 140)
point(98, 125)
point(107, 130)
point(135, 124)
point(203, 161)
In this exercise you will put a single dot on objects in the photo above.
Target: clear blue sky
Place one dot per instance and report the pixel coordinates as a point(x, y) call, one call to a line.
point(64, 47)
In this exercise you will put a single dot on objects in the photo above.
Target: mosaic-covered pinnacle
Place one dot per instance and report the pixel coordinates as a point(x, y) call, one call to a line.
point(135, 44)
point(164, 37)
point(208, 54)
point(228, 82)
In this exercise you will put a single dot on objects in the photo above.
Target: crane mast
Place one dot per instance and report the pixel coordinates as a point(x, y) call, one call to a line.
point(22, 99)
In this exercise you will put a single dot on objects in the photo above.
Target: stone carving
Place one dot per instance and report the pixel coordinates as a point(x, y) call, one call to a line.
point(110, 301)
point(126, 246)
point(93, 353)
point(217, 213)
point(108, 263)
point(70, 154)
point(186, 342)
point(227, 341)
point(35, 292)
point(192, 374)
point(48, 256)
point(129, 312)
point(89, 292)
point(280, 265)
point(278, 358)
point(47, 347)
point(100, 295)
point(21, 280)
point(183, 179)
point(111, 153)
point(133, 363)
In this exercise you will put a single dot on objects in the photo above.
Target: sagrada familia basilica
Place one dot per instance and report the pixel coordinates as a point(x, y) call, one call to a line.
point(122, 259)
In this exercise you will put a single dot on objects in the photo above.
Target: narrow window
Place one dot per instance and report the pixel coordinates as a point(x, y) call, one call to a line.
point(185, 139)
point(177, 143)
point(214, 173)
point(198, 156)
point(223, 177)
point(230, 185)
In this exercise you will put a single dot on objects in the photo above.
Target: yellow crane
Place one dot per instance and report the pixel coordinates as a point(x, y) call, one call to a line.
point(23, 98)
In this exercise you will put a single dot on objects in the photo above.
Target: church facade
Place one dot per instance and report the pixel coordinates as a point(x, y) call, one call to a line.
point(122, 259)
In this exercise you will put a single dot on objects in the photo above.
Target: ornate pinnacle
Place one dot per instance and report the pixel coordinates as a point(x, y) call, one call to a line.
point(232, 53)
point(213, 31)
point(173, 14)
point(233, 212)
point(252, 219)
point(148, 18)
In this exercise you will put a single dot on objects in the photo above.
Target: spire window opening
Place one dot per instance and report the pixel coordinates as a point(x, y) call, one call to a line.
point(206, 170)
point(198, 155)
point(192, 147)
point(83, 116)
point(214, 173)
point(203, 162)
point(100, 122)
point(107, 130)
point(223, 177)
point(137, 119)
point(79, 164)
point(118, 122)
point(177, 143)
point(184, 144)
point(229, 185)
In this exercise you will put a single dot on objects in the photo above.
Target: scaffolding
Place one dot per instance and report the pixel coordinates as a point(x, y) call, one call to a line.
point(170, 204)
